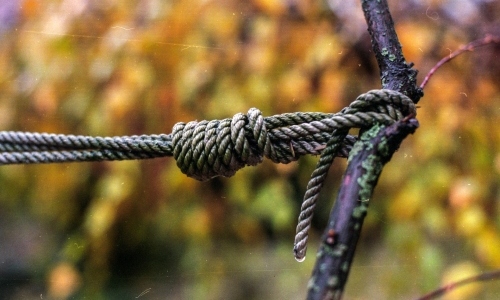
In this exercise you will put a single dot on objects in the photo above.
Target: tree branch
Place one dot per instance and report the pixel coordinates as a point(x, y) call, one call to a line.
point(395, 73)
point(335, 254)
point(488, 276)
point(488, 39)
point(375, 148)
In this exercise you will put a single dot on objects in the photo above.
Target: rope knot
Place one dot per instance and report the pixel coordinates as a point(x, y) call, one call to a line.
point(207, 149)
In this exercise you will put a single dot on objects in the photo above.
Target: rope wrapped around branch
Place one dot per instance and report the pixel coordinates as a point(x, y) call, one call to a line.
point(207, 149)
point(390, 103)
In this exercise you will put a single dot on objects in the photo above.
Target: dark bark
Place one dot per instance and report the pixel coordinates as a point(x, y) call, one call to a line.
point(375, 148)
point(339, 240)
point(395, 73)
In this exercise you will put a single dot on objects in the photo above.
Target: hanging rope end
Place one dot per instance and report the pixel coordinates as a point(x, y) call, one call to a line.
point(299, 252)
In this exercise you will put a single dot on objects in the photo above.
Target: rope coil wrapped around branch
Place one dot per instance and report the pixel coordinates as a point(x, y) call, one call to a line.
point(207, 149)
point(390, 103)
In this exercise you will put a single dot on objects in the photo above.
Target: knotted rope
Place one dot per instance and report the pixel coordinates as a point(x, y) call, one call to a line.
point(207, 149)
point(385, 102)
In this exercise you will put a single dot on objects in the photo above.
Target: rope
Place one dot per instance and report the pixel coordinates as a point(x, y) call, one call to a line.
point(394, 104)
point(207, 149)
point(290, 137)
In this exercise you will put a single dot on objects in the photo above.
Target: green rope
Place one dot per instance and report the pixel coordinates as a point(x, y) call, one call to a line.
point(207, 149)
point(394, 104)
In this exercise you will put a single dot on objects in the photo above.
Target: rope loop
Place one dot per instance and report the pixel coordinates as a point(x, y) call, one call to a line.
point(207, 149)
point(382, 106)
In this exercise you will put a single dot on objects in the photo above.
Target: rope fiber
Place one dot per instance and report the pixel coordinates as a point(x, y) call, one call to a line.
point(207, 149)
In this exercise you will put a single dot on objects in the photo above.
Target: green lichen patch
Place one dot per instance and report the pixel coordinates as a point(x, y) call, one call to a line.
point(312, 283)
point(383, 147)
point(333, 281)
point(358, 146)
point(337, 250)
point(372, 166)
point(360, 211)
point(364, 141)
point(345, 267)
point(323, 267)
point(372, 132)
point(357, 226)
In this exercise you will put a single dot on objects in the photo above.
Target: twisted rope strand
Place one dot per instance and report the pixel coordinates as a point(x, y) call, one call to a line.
point(11, 141)
point(312, 193)
point(206, 149)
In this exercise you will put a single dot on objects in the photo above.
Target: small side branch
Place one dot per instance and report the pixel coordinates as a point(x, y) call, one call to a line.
point(368, 156)
point(489, 39)
point(488, 276)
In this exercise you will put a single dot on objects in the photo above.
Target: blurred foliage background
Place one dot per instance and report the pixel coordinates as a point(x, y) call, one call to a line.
point(141, 229)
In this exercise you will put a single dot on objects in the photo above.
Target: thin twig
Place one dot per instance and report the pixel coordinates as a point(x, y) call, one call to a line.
point(488, 39)
point(449, 287)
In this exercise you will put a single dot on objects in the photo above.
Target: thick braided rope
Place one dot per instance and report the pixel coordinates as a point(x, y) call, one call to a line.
point(291, 136)
point(397, 106)
point(207, 149)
